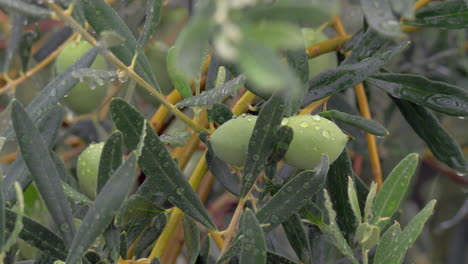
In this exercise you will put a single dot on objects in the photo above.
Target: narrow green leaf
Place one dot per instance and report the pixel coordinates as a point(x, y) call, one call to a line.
point(365, 124)
point(297, 237)
point(179, 139)
point(370, 202)
point(273, 258)
point(366, 45)
point(387, 241)
point(180, 82)
point(152, 20)
point(48, 126)
point(214, 95)
point(74, 196)
point(157, 163)
point(103, 210)
point(221, 171)
point(233, 250)
point(438, 96)
point(380, 17)
point(283, 138)
point(394, 248)
point(313, 213)
point(192, 238)
point(37, 235)
point(333, 230)
point(103, 17)
point(17, 23)
point(447, 15)
point(299, 61)
point(337, 183)
point(393, 190)
point(353, 200)
point(213, 72)
point(427, 126)
point(335, 80)
point(111, 158)
point(204, 255)
point(253, 249)
point(262, 142)
point(151, 234)
point(43, 170)
point(50, 95)
point(25, 8)
point(294, 195)
point(219, 113)
point(123, 246)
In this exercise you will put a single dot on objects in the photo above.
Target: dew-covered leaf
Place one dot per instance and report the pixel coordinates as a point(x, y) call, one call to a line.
point(111, 158)
point(24, 8)
point(393, 190)
point(93, 77)
point(447, 15)
point(179, 138)
point(156, 162)
point(253, 248)
point(262, 142)
point(298, 238)
point(214, 95)
point(295, 194)
point(42, 167)
point(428, 128)
point(274, 258)
point(204, 255)
point(192, 238)
point(366, 45)
point(379, 15)
point(179, 80)
point(335, 80)
point(393, 251)
point(219, 113)
point(438, 96)
point(102, 17)
point(104, 208)
point(152, 20)
point(151, 233)
point(365, 124)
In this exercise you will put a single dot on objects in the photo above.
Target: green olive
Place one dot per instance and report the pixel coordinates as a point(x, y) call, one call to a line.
point(88, 168)
point(231, 140)
point(313, 136)
point(322, 62)
point(82, 98)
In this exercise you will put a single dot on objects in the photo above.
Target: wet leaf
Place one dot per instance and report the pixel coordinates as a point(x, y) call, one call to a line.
point(365, 124)
point(380, 17)
point(192, 238)
point(253, 248)
point(298, 238)
point(152, 20)
point(111, 158)
point(24, 8)
point(447, 15)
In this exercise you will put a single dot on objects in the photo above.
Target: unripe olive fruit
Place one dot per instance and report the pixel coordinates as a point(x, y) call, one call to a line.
point(230, 141)
point(88, 168)
point(313, 136)
point(82, 98)
point(323, 62)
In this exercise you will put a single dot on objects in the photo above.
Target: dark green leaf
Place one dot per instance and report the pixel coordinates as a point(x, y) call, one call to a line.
point(448, 15)
point(156, 162)
point(17, 23)
point(192, 238)
point(50, 95)
point(313, 213)
point(233, 250)
point(135, 214)
point(25, 8)
point(214, 95)
point(337, 182)
point(123, 246)
point(262, 142)
point(335, 80)
point(365, 124)
point(221, 171)
point(393, 252)
point(387, 241)
point(179, 80)
point(43, 170)
point(273, 258)
point(204, 255)
point(151, 234)
point(48, 126)
point(111, 159)
point(393, 190)
point(427, 126)
point(253, 248)
point(438, 96)
point(103, 210)
point(299, 61)
point(219, 113)
point(297, 237)
point(179, 138)
point(367, 45)
point(103, 17)
point(380, 17)
point(293, 196)
point(75, 197)
point(283, 138)
point(153, 17)
point(38, 235)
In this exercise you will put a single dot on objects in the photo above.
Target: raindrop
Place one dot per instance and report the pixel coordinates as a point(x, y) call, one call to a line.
point(304, 124)
point(316, 118)
point(325, 133)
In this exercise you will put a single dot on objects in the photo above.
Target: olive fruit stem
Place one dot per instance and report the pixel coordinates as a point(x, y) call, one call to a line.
point(229, 232)
point(120, 65)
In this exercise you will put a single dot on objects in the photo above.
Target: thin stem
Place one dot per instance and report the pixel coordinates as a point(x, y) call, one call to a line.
point(120, 65)
point(229, 233)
